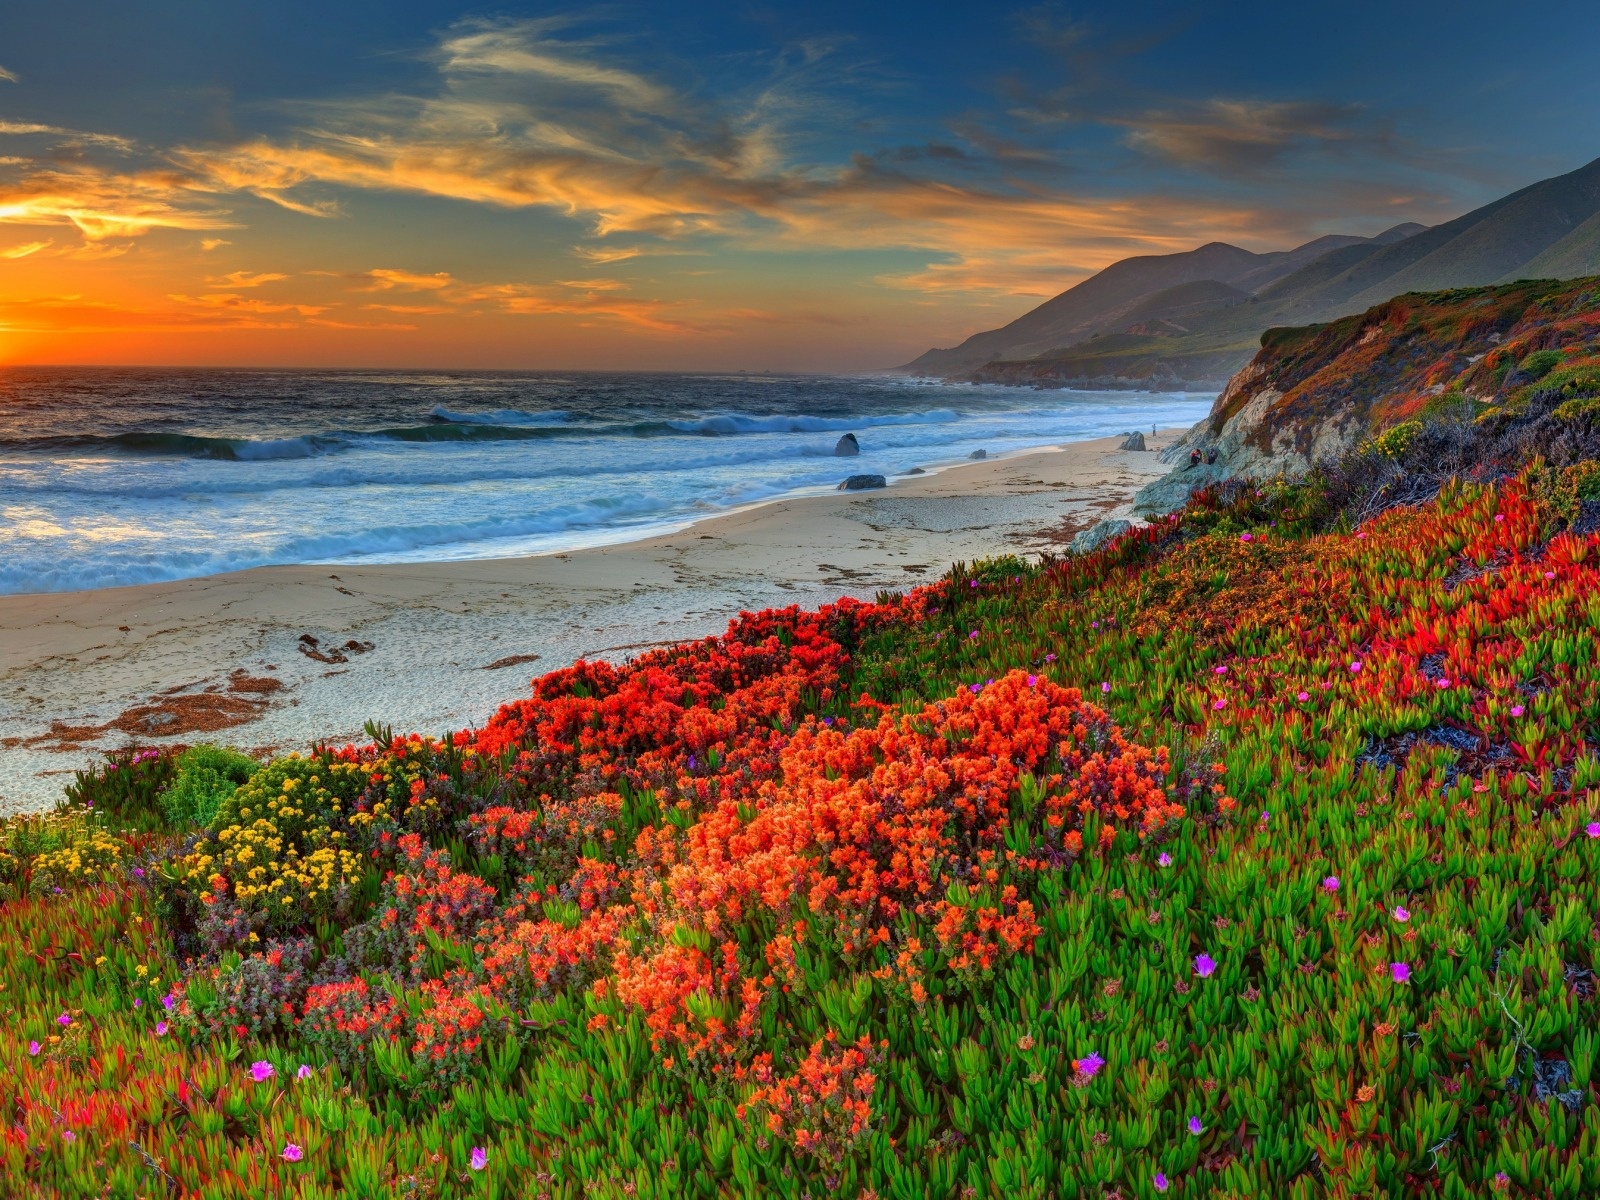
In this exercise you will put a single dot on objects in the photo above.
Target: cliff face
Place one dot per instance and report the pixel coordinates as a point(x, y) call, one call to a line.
point(1314, 392)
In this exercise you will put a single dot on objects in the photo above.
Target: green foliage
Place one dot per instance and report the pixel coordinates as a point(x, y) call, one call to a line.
point(1540, 363)
point(127, 786)
point(207, 775)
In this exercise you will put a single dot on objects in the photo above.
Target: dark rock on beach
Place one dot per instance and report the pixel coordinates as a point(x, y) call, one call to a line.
point(979, 454)
point(860, 483)
point(847, 447)
point(1134, 441)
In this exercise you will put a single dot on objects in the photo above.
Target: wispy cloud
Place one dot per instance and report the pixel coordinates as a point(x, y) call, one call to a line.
point(246, 279)
point(1243, 135)
point(26, 249)
point(9, 76)
point(107, 204)
point(25, 128)
point(383, 279)
point(210, 244)
point(233, 302)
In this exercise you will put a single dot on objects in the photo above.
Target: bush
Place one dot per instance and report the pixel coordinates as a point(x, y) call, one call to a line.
point(1540, 363)
point(207, 775)
point(128, 787)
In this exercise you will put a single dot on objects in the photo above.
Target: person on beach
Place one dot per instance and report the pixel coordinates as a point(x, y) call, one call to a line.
point(1194, 459)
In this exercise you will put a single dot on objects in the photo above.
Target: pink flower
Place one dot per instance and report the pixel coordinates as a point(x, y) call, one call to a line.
point(292, 1153)
point(1355, 666)
point(1222, 670)
point(479, 1159)
point(1196, 1126)
point(63, 1020)
point(1160, 1179)
point(1330, 884)
point(1303, 697)
point(1244, 537)
point(161, 1028)
point(68, 1136)
point(1165, 860)
point(1105, 687)
point(1499, 516)
point(1401, 914)
point(1089, 1066)
point(1516, 710)
point(1049, 658)
point(304, 1072)
point(1401, 971)
point(973, 634)
point(1549, 574)
point(1204, 965)
point(1443, 683)
point(261, 1071)
point(1219, 705)
point(1032, 679)
point(1592, 829)
point(33, 1049)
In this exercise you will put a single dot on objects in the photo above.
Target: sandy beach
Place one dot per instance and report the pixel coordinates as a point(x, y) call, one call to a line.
point(272, 658)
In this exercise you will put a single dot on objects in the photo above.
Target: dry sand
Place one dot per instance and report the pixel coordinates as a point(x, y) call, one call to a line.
point(437, 646)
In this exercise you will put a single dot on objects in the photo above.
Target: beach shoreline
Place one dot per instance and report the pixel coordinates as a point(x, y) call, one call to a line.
point(271, 658)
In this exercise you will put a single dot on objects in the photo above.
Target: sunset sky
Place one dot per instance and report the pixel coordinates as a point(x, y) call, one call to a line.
point(819, 186)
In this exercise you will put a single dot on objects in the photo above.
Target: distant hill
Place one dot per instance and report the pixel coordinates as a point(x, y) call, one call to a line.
point(1112, 329)
point(1313, 392)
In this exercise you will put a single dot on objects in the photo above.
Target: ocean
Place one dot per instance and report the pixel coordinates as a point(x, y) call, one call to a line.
point(126, 476)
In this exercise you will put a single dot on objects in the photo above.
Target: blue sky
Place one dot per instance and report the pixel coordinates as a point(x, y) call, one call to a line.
point(816, 186)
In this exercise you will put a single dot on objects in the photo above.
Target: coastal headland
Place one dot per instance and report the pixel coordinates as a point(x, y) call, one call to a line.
point(271, 658)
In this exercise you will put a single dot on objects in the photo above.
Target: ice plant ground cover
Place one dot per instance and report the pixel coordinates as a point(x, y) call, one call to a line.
point(1237, 859)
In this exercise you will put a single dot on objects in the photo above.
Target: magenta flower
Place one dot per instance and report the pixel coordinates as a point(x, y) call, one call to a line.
point(1196, 1127)
point(304, 1072)
point(1355, 666)
point(1204, 965)
point(1032, 679)
point(63, 1020)
point(973, 634)
point(1165, 860)
point(169, 1002)
point(1401, 914)
point(1223, 670)
point(1303, 697)
point(1105, 687)
point(1160, 1179)
point(1443, 683)
point(1330, 884)
point(1220, 705)
point(161, 1028)
point(33, 1049)
point(68, 1136)
point(1089, 1066)
point(1244, 537)
point(1549, 574)
point(1592, 829)
point(138, 1003)
point(1499, 516)
point(479, 1159)
point(292, 1153)
point(1049, 658)
point(1401, 972)
point(1516, 710)
point(261, 1071)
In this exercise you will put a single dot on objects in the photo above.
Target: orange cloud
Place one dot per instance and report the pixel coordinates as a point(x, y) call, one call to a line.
point(75, 314)
point(382, 279)
point(26, 249)
point(104, 204)
point(245, 279)
point(237, 303)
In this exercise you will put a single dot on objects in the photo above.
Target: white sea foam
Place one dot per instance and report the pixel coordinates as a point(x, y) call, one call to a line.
point(155, 484)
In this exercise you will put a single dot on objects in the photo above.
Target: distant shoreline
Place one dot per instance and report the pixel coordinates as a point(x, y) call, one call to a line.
point(437, 645)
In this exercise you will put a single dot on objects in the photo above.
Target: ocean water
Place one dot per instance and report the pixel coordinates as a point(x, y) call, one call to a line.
point(124, 476)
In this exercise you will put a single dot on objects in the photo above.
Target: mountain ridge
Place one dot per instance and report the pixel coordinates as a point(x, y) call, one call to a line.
point(1550, 228)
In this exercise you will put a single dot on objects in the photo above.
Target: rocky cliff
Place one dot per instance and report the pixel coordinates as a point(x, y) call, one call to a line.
point(1314, 392)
